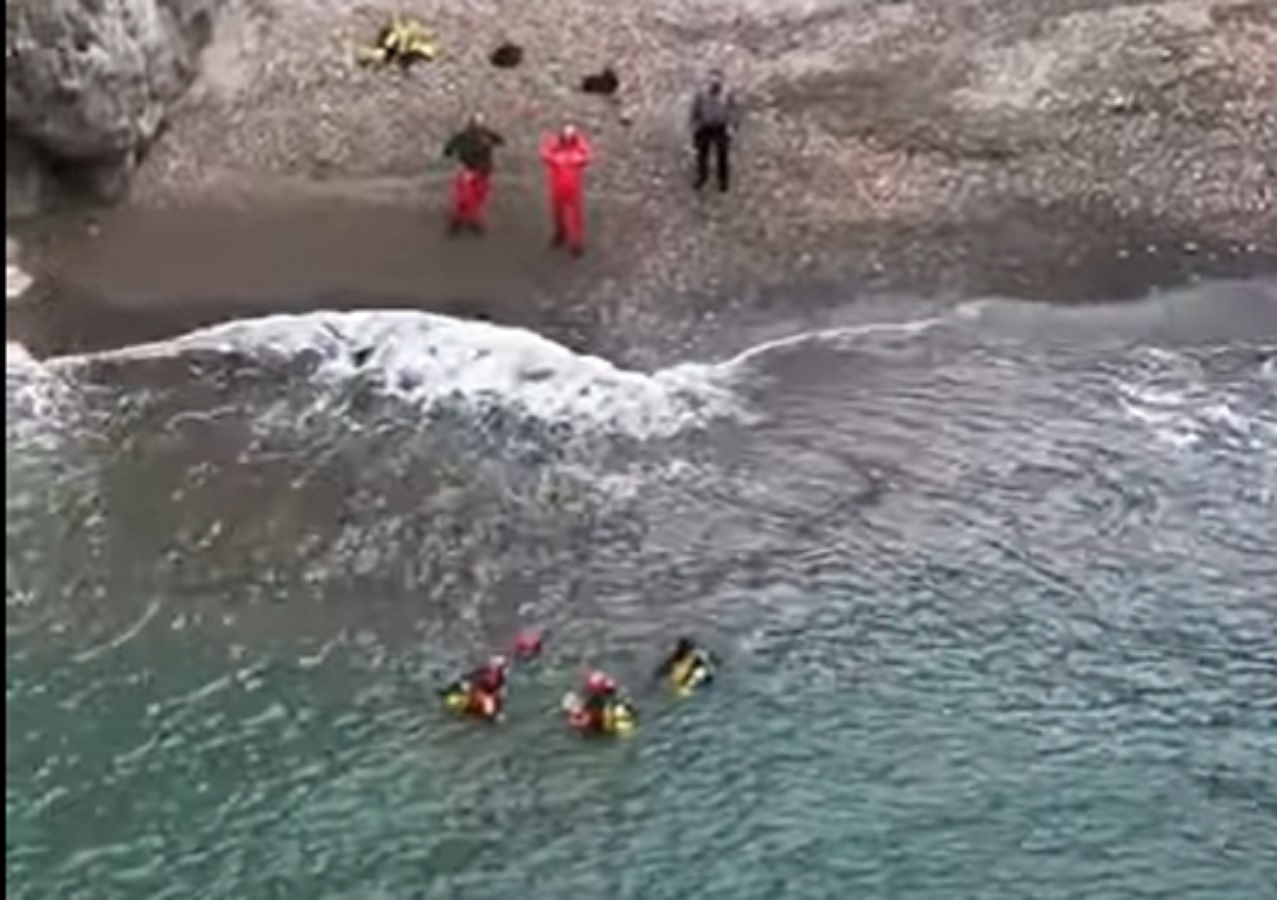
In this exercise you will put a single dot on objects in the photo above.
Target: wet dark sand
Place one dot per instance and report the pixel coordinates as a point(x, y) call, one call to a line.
point(131, 275)
point(138, 275)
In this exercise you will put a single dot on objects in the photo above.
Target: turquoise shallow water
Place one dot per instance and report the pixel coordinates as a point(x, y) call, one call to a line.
point(995, 604)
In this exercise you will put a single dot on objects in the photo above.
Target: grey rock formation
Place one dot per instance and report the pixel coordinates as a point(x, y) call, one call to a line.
point(27, 183)
point(88, 84)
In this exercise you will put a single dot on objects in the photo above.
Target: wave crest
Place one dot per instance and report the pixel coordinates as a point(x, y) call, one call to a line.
point(432, 360)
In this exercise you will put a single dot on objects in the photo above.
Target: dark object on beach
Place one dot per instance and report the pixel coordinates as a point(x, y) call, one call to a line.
point(714, 119)
point(507, 56)
point(604, 83)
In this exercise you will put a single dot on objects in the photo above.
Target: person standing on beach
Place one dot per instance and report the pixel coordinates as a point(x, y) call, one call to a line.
point(473, 147)
point(565, 156)
point(713, 120)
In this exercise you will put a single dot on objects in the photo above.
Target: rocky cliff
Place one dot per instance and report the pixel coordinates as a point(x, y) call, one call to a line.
point(88, 84)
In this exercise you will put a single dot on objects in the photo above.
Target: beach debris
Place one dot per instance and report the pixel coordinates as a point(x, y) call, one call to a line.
point(605, 83)
point(506, 56)
point(402, 41)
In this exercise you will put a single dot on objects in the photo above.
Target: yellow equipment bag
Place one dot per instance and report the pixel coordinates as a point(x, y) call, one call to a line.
point(403, 41)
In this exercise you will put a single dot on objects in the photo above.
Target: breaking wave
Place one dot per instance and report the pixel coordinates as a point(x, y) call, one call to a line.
point(431, 361)
point(432, 364)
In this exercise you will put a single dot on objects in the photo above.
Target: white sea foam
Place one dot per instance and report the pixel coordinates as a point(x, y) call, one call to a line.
point(427, 359)
point(1181, 406)
point(18, 359)
point(16, 281)
point(25, 377)
point(833, 337)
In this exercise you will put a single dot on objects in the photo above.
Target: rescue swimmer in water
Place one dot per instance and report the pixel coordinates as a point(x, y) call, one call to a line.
point(599, 708)
point(481, 693)
point(527, 645)
point(687, 668)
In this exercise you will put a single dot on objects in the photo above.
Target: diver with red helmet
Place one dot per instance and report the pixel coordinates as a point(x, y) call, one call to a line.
point(482, 692)
point(528, 644)
point(599, 689)
point(593, 709)
point(490, 677)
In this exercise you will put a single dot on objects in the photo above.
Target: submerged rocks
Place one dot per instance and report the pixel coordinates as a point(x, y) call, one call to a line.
point(88, 84)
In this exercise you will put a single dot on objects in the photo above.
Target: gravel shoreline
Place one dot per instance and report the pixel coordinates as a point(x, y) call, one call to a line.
point(945, 147)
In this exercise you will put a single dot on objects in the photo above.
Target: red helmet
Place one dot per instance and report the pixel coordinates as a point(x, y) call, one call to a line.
point(599, 681)
point(527, 643)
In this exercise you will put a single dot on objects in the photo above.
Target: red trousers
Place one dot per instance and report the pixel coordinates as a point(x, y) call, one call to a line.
point(469, 196)
point(567, 210)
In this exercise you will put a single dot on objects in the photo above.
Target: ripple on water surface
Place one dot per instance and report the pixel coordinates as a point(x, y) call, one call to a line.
point(994, 618)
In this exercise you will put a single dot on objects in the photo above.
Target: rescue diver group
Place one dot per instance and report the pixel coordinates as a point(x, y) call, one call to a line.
point(598, 707)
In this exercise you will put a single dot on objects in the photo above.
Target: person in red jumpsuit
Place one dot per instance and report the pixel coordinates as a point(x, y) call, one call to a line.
point(473, 147)
point(565, 156)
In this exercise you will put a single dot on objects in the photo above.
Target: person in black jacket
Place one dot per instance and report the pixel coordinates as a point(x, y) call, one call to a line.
point(714, 120)
point(474, 148)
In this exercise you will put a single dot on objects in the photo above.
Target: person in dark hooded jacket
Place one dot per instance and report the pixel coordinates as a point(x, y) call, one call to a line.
point(473, 147)
point(714, 117)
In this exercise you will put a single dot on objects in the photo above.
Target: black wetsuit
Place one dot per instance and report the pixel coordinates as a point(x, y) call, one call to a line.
point(694, 659)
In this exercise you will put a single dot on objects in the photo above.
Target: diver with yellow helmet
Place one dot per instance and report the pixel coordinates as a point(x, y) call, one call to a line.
point(687, 668)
